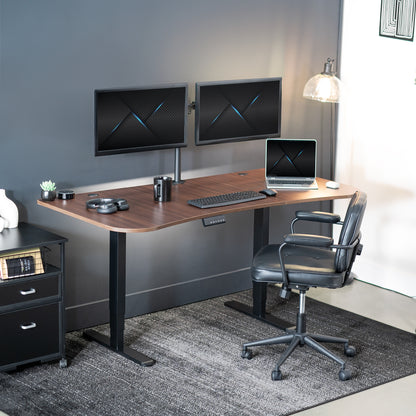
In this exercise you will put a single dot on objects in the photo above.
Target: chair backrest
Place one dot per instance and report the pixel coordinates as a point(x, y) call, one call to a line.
point(350, 232)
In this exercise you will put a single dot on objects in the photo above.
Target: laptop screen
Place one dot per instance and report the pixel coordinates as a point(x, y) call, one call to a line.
point(290, 158)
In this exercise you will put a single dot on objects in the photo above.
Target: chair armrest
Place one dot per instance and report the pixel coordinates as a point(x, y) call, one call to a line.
point(308, 240)
point(318, 216)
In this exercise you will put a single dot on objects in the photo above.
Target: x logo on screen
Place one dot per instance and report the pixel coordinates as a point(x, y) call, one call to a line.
point(289, 159)
point(237, 112)
point(141, 120)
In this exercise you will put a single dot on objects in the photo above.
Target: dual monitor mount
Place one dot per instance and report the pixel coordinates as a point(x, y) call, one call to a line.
point(177, 170)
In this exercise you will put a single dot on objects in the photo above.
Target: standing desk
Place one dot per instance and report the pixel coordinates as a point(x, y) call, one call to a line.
point(145, 215)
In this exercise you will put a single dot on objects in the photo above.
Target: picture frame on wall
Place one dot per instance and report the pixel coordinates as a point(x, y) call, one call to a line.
point(397, 19)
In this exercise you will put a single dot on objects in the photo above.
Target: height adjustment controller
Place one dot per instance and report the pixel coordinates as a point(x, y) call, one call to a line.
point(217, 219)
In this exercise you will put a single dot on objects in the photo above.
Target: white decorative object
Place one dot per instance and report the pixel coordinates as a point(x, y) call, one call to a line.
point(1, 224)
point(8, 211)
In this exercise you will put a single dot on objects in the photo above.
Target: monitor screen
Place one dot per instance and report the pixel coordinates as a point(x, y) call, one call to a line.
point(229, 111)
point(135, 120)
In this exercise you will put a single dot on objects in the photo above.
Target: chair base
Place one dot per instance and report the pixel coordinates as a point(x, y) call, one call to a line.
point(300, 337)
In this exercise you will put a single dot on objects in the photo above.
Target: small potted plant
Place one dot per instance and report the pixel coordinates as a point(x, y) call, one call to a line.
point(48, 192)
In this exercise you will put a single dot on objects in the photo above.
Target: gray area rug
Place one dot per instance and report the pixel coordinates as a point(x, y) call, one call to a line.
point(199, 370)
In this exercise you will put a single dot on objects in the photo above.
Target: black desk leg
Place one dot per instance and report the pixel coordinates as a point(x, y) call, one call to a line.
point(258, 310)
point(118, 304)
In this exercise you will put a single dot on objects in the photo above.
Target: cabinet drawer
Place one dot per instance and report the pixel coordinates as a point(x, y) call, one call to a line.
point(29, 289)
point(29, 333)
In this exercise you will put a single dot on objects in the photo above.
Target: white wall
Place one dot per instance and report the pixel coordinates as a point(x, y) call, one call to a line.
point(377, 144)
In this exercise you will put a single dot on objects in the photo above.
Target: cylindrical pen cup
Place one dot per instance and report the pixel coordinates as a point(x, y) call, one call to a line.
point(162, 187)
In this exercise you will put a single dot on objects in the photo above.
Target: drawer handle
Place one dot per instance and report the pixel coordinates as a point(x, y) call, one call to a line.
point(29, 326)
point(28, 292)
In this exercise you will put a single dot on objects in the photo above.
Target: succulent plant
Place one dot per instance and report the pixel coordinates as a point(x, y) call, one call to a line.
point(48, 186)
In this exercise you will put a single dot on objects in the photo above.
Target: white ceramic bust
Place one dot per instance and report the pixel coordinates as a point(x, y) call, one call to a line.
point(8, 211)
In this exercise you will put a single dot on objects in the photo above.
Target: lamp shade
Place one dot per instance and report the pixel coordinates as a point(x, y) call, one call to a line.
point(324, 87)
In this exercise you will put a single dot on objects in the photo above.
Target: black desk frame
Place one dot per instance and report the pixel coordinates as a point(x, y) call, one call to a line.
point(258, 310)
point(117, 293)
point(117, 296)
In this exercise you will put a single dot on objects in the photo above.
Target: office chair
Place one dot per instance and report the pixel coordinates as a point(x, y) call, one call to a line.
point(303, 261)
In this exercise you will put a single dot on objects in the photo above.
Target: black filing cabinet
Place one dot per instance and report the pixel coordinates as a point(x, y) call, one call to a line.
point(32, 324)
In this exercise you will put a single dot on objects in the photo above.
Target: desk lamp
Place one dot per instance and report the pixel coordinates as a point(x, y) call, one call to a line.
point(326, 88)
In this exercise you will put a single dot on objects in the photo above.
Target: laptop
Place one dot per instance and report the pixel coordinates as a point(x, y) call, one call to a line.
point(291, 164)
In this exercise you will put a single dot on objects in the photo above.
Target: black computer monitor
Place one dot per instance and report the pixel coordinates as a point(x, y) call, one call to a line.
point(135, 120)
point(227, 111)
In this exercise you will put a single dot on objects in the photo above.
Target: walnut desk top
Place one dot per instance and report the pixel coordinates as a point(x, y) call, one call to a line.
point(146, 215)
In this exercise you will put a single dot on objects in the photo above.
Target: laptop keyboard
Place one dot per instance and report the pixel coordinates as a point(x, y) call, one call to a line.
point(288, 182)
point(226, 199)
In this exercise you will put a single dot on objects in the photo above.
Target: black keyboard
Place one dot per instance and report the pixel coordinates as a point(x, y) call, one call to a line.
point(226, 199)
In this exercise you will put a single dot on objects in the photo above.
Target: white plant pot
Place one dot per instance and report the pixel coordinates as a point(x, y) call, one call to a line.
point(8, 211)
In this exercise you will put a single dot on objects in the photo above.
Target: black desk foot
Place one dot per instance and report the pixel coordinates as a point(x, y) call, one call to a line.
point(126, 352)
point(268, 318)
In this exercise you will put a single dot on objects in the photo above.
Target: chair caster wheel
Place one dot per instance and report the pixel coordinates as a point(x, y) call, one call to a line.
point(349, 351)
point(63, 363)
point(248, 354)
point(276, 375)
point(344, 375)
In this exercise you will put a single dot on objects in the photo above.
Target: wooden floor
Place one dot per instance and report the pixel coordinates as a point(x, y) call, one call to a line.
point(395, 398)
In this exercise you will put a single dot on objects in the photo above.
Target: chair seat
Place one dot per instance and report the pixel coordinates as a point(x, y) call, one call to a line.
point(306, 266)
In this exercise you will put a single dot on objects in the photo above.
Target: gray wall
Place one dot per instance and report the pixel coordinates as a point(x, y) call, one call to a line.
point(55, 53)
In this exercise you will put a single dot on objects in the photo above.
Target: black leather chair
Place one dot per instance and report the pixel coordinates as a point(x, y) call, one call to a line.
point(303, 261)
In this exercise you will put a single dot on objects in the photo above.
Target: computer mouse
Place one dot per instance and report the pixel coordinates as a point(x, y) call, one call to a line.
point(332, 185)
point(268, 192)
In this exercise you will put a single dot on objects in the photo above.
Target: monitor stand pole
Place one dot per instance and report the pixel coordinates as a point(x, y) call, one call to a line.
point(177, 179)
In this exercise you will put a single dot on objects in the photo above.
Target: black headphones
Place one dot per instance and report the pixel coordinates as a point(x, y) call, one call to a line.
point(108, 205)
